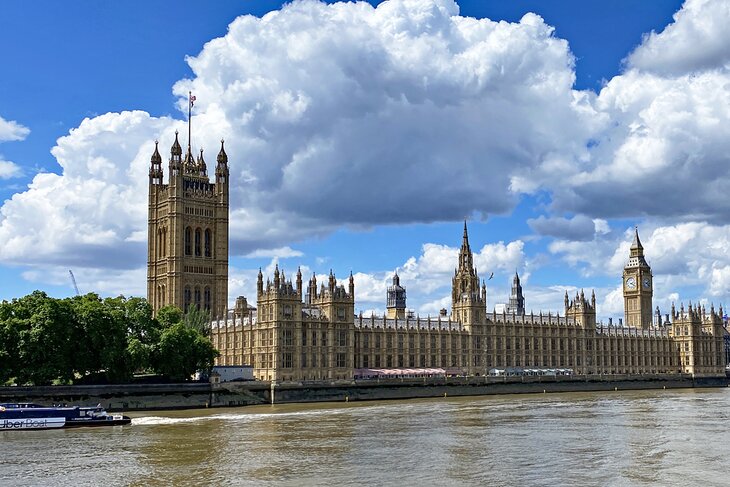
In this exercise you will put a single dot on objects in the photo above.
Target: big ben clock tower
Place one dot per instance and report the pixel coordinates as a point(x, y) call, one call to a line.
point(638, 287)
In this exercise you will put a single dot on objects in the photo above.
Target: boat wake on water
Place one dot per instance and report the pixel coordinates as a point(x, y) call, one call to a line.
point(237, 417)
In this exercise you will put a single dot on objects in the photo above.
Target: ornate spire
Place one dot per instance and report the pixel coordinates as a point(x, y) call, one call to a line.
point(156, 157)
point(189, 161)
point(636, 256)
point(176, 150)
point(466, 263)
point(465, 238)
point(222, 158)
point(156, 167)
point(636, 244)
point(517, 300)
point(201, 165)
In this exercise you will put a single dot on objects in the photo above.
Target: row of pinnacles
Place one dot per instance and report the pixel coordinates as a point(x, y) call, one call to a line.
point(281, 287)
point(189, 166)
point(580, 311)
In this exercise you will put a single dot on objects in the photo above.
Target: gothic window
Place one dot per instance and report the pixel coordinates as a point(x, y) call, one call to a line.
point(197, 297)
point(206, 298)
point(188, 241)
point(188, 298)
point(197, 243)
point(207, 243)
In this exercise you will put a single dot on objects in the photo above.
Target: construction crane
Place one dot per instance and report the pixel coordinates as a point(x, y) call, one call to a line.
point(73, 280)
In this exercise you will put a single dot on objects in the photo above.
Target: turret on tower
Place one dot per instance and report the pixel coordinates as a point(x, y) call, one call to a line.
point(396, 303)
point(156, 167)
point(517, 300)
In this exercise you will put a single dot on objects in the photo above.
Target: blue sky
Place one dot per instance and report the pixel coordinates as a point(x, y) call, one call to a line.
point(553, 135)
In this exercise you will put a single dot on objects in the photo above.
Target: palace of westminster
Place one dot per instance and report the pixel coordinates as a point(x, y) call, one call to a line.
point(300, 333)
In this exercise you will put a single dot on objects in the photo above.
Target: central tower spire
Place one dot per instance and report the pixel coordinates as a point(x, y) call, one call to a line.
point(466, 261)
point(467, 303)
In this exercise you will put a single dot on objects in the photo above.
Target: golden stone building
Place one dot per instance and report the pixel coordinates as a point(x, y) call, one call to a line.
point(293, 335)
point(187, 260)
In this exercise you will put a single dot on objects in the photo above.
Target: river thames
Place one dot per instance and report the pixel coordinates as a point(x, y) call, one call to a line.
point(619, 438)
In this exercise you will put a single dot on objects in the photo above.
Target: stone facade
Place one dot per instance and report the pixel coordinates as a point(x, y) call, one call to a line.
point(187, 260)
point(291, 337)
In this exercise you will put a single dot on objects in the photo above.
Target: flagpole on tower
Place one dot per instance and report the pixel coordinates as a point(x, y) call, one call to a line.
point(190, 114)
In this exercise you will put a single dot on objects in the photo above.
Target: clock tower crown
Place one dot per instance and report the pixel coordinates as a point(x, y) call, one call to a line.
point(637, 287)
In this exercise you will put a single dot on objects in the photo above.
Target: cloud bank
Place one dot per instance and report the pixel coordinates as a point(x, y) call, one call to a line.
point(347, 114)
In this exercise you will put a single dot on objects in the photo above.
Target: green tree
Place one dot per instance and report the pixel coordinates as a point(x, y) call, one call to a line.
point(9, 341)
point(182, 351)
point(198, 319)
point(168, 316)
point(141, 329)
point(103, 329)
point(46, 339)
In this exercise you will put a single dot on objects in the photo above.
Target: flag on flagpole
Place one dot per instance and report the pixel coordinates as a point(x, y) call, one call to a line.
point(192, 101)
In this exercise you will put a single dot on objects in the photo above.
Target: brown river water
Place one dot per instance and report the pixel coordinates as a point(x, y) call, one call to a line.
point(664, 437)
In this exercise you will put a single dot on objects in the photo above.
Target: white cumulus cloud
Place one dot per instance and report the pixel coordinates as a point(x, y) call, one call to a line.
point(12, 130)
point(9, 169)
point(697, 40)
point(663, 146)
point(333, 114)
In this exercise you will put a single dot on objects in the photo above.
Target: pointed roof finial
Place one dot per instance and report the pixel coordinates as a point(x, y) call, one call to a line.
point(636, 244)
point(156, 158)
point(201, 161)
point(176, 150)
point(222, 156)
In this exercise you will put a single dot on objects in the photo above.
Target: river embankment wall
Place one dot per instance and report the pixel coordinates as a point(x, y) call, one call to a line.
point(149, 397)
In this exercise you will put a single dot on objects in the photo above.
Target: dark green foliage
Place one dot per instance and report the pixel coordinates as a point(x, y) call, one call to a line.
point(45, 340)
point(181, 351)
point(169, 315)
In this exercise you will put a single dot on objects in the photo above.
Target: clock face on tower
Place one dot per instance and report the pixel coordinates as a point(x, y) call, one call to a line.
point(631, 283)
point(647, 283)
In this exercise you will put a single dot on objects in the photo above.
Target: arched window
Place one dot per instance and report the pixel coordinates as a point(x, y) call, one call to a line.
point(197, 297)
point(207, 242)
point(197, 243)
point(188, 298)
point(206, 298)
point(164, 298)
point(164, 242)
point(188, 241)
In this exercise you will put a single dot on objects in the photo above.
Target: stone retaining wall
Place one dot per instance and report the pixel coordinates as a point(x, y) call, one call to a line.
point(141, 397)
